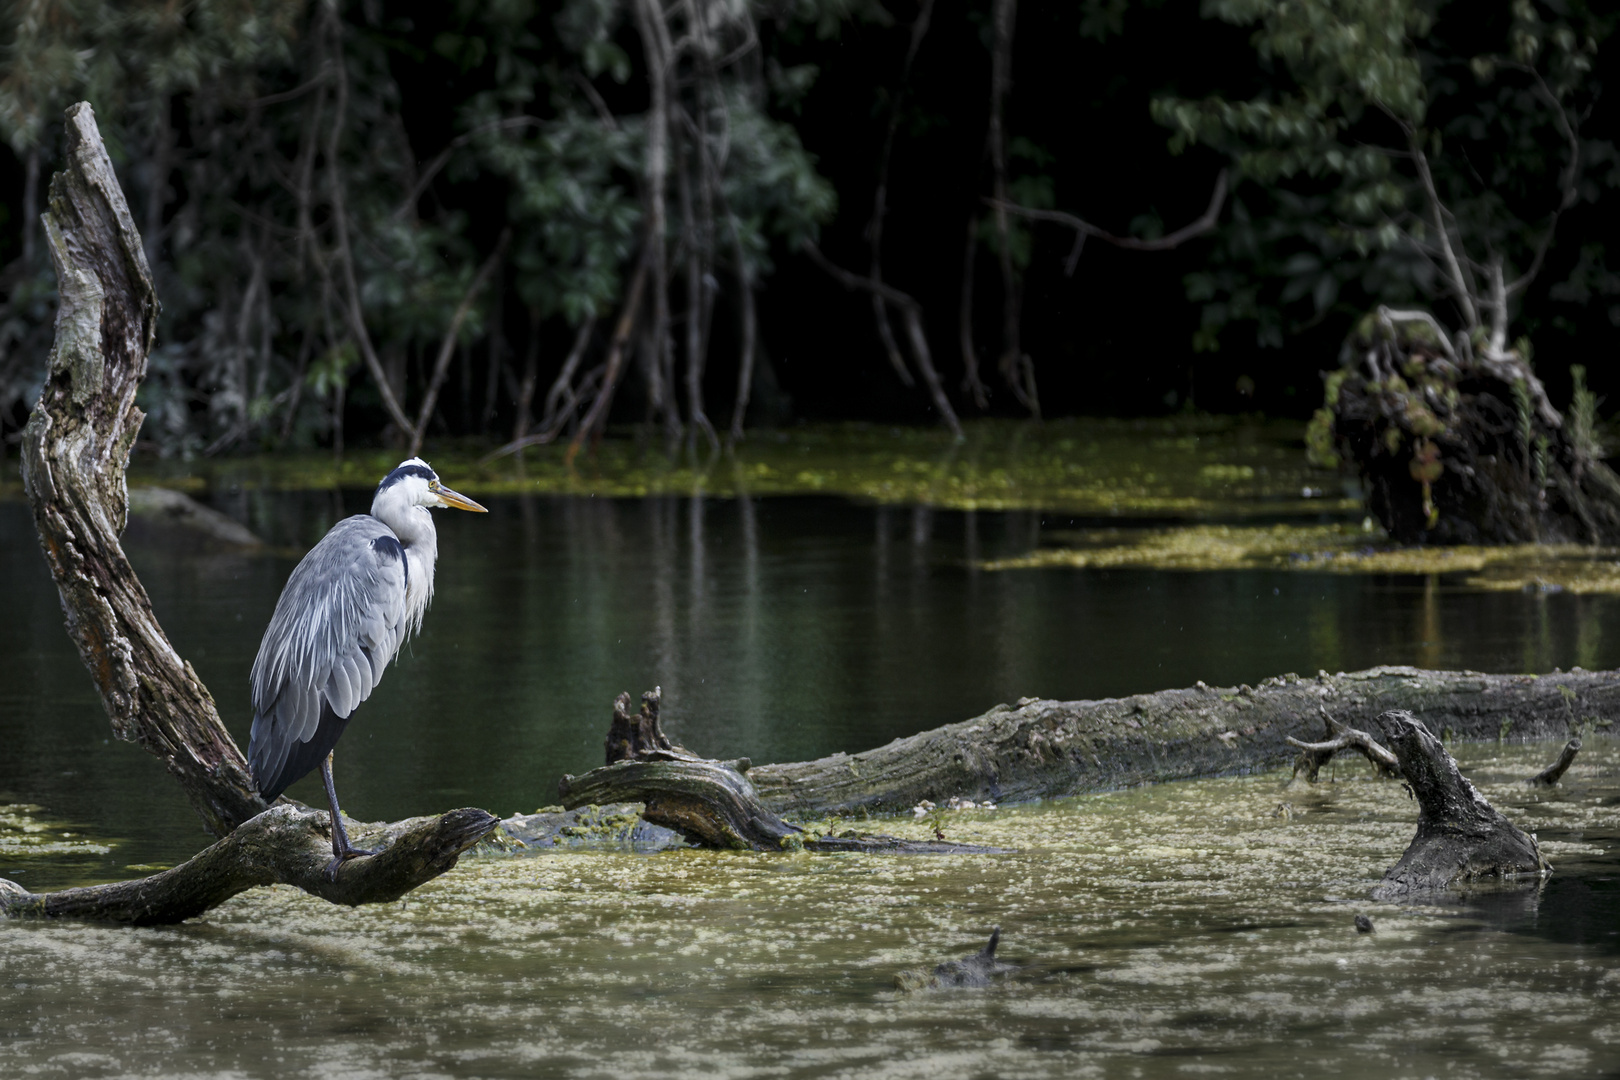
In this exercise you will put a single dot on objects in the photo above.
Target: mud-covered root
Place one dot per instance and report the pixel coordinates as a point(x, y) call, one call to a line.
point(1551, 774)
point(1460, 836)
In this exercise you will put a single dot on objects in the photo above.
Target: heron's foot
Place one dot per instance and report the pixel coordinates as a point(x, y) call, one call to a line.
point(343, 855)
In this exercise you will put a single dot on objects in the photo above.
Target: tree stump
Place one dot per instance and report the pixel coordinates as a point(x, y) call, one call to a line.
point(1459, 446)
point(1460, 836)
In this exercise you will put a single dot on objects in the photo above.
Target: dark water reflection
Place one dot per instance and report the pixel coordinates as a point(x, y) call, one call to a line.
point(779, 629)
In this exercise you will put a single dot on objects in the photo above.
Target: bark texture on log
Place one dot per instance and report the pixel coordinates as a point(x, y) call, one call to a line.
point(285, 845)
point(709, 802)
point(1460, 836)
point(75, 450)
point(1046, 749)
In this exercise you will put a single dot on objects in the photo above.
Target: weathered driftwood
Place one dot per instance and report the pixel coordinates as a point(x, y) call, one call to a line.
point(709, 802)
point(1551, 774)
point(1460, 836)
point(285, 845)
point(1316, 754)
point(1044, 749)
point(75, 450)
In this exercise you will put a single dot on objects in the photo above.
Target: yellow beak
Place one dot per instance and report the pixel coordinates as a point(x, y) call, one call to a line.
point(457, 500)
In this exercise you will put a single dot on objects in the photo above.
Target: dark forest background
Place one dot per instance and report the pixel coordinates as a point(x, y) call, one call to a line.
point(507, 219)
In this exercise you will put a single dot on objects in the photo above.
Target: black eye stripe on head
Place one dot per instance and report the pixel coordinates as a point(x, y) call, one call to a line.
point(402, 472)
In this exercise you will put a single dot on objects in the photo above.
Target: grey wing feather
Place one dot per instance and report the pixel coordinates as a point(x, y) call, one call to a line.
point(340, 620)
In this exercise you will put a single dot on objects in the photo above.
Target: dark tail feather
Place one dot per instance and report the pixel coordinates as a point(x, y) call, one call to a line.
point(304, 758)
point(989, 951)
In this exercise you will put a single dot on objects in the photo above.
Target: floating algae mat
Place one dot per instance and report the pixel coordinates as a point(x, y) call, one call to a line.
point(1190, 929)
point(1178, 467)
point(1332, 549)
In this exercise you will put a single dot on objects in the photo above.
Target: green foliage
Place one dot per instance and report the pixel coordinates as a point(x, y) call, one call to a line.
point(264, 149)
point(1362, 99)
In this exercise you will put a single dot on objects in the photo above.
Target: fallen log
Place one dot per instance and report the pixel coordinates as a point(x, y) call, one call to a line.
point(1046, 749)
point(1460, 836)
point(709, 802)
point(285, 845)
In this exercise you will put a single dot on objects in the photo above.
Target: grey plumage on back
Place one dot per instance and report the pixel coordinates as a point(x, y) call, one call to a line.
point(348, 607)
point(340, 620)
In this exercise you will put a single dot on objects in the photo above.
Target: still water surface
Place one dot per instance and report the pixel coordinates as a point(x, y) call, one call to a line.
point(1172, 932)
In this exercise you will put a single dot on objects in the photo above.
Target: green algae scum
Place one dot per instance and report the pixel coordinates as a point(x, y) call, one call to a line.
point(1202, 928)
point(893, 581)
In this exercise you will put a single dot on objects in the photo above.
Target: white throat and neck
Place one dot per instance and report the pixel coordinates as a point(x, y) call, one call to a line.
point(398, 506)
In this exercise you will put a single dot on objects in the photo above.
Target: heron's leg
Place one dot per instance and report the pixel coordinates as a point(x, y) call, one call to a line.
point(342, 850)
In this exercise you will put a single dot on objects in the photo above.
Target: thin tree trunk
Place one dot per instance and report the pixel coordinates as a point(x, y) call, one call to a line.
point(596, 417)
point(747, 318)
point(880, 196)
point(447, 347)
point(971, 382)
point(657, 48)
point(1015, 367)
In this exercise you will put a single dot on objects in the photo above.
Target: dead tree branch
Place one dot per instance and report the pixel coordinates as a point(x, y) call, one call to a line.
point(1553, 773)
point(1083, 229)
point(911, 312)
point(1317, 754)
point(285, 845)
point(75, 451)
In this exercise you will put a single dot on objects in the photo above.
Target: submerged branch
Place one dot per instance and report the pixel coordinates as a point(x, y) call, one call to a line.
point(1553, 773)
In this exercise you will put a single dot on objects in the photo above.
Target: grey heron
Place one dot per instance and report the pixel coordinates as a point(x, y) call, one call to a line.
point(343, 615)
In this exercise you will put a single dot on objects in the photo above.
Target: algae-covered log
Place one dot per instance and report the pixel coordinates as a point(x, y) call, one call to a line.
point(1043, 749)
point(709, 802)
point(285, 845)
point(1460, 836)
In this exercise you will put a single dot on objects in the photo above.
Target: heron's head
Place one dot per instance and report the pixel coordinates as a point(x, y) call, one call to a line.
point(414, 483)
